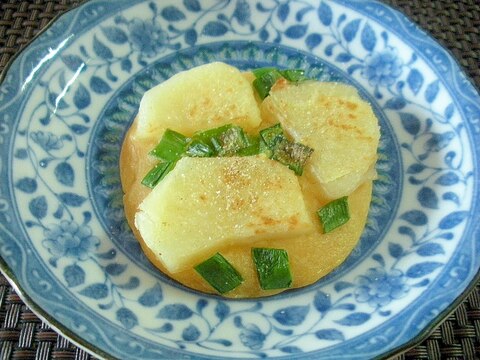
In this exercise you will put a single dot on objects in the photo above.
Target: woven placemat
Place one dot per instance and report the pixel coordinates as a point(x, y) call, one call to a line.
point(455, 24)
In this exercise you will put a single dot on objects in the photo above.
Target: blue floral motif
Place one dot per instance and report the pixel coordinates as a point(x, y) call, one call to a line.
point(242, 12)
point(147, 38)
point(378, 288)
point(47, 140)
point(68, 239)
point(383, 68)
point(252, 337)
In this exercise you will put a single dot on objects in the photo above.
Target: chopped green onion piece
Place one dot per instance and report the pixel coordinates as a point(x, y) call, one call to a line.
point(219, 273)
point(267, 77)
point(294, 75)
point(279, 148)
point(334, 214)
point(230, 141)
point(225, 140)
point(273, 268)
point(264, 149)
point(264, 82)
point(253, 147)
point(259, 72)
point(197, 148)
point(157, 173)
point(270, 134)
point(293, 155)
point(206, 136)
point(171, 146)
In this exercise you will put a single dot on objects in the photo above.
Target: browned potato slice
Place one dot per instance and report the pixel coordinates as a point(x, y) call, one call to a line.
point(205, 204)
point(332, 119)
point(201, 98)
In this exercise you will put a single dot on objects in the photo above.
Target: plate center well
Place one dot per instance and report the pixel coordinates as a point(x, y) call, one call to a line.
point(103, 156)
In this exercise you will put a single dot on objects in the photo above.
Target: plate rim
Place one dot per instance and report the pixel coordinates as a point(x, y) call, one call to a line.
point(95, 350)
point(5, 270)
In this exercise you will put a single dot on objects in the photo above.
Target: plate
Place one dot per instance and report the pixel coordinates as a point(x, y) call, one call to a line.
point(67, 100)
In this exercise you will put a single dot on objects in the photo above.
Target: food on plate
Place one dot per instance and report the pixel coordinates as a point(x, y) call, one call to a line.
point(201, 98)
point(337, 123)
point(248, 184)
point(205, 204)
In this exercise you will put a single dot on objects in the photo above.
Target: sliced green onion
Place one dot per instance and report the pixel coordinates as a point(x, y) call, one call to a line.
point(259, 72)
point(265, 78)
point(294, 75)
point(197, 148)
point(225, 140)
point(273, 268)
point(264, 82)
point(264, 149)
point(294, 155)
point(206, 136)
point(334, 214)
point(230, 141)
point(253, 147)
point(271, 133)
point(219, 273)
point(157, 173)
point(171, 146)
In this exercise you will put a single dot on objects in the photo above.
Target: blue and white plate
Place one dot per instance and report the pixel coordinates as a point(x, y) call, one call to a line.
point(67, 100)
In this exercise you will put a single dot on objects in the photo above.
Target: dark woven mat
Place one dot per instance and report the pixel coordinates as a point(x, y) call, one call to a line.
point(454, 23)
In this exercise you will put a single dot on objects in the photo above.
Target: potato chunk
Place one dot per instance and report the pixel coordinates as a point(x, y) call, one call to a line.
point(332, 119)
point(204, 97)
point(208, 203)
